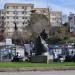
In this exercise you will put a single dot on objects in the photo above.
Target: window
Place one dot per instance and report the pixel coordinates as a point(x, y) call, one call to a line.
point(13, 7)
point(7, 12)
point(16, 17)
point(2, 17)
point(71, 27)
point(25, 22)
point(23, 17)
point(15, 12)
point(2, 12)
point(16, 7)
point(7, 17)
point(31, 7)
point(22, 7)
point(4, 23)
point(7, 22)
point(8, 27)
point(12, 22)
point(25, 12)
point(25, 8)
point(22, 12)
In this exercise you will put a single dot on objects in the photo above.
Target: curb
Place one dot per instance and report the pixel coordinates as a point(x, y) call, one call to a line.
point(33, 69)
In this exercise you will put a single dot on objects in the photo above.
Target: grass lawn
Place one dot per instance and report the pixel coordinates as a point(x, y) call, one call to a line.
point(35, 65)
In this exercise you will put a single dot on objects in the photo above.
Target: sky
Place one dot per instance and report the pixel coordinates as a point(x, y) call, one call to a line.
point(66, 6)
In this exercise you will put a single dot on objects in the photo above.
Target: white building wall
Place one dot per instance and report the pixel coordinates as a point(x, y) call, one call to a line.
point(18, 15)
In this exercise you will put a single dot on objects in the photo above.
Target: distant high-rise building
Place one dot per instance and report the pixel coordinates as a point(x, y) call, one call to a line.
point(71, 19)
point(64, 19)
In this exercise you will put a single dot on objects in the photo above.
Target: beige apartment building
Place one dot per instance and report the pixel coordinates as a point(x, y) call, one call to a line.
point(55, 17)
point(44, 11)
point(16, 14)
point(19, 15)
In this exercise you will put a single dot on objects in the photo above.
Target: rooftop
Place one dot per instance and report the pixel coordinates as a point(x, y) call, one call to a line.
point(17, 4)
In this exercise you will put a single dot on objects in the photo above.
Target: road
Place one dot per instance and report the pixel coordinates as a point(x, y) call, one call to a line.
point(39, 73)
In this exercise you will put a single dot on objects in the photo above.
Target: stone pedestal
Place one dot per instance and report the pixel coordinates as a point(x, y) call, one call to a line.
point(49, 59)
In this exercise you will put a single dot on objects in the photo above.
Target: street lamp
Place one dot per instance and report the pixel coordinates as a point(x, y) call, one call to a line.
point(15, 27)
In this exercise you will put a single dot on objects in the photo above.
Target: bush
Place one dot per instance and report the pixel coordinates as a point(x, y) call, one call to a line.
point(69, 58)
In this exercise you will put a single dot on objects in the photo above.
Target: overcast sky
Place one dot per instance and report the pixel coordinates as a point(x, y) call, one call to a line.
point(65, 6)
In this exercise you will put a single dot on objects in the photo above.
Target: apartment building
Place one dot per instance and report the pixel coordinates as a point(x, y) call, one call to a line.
point(55, 18)
point(16, 14)
point(44, 11)
point(71, 20)
point(2, 20)
point(2, 25)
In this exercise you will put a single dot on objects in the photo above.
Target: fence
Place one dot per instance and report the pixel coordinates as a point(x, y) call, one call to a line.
point(61, 50)
point(7, 52)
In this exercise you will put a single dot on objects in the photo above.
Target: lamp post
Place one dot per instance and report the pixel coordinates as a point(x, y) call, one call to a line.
point(15, 27)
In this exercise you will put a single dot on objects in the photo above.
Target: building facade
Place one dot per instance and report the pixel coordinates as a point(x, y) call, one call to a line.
point(55, 18)
point(16, 14)
point(44, 11)
point(71, 19)
point(2, 24)
point(2, 19)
